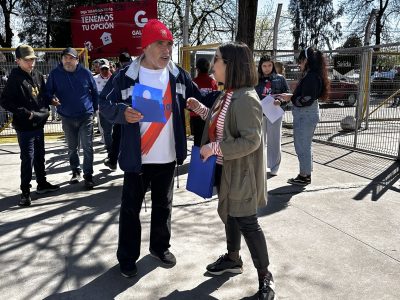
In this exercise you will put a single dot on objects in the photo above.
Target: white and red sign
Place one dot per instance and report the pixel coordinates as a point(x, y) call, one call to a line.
point(106, 30)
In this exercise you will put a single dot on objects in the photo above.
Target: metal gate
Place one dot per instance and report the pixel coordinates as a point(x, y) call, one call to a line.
point(362, 112)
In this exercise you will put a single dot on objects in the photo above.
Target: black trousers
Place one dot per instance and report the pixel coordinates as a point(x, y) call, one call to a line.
point(251, 230)
point(253, 235)
point(31, 144)
point(116, 140)
point(161, 179)
point(197, 127)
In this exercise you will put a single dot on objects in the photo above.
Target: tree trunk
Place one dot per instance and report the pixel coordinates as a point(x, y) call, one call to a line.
point(6, 41)
point(48, 23)
point(296, 31)
point(247, 22)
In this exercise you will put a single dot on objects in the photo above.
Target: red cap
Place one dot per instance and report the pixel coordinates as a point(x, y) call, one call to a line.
point(153, 31)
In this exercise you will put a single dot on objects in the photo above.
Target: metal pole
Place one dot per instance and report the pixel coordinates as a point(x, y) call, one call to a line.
point(186, 24)
point(276, 27)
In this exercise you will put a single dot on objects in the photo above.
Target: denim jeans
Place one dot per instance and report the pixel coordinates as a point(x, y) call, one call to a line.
point(107, 132)
point(79, 132)
point(31, 144)
point(305, 120)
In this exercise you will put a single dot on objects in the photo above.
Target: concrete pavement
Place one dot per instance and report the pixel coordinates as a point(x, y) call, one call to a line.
point(338, 238)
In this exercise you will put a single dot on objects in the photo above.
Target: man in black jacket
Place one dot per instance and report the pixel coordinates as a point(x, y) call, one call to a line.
point(23, 97)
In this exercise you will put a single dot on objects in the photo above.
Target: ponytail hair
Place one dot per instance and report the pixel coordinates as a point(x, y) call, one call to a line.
point(316, 62)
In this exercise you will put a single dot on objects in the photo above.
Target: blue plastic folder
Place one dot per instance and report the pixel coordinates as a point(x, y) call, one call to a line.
point(201, 174)
point(149, 102)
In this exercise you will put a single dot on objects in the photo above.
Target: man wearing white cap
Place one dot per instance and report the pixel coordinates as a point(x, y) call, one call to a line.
point(105, 126)
point(149, 150)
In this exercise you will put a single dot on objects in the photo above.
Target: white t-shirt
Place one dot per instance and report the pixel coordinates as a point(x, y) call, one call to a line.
point(100, 82)
point(163, 149)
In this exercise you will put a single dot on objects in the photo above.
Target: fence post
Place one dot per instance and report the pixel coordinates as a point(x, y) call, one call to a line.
point(363, 90)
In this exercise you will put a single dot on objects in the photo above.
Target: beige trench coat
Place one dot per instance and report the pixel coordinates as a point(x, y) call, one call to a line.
point(243, 184)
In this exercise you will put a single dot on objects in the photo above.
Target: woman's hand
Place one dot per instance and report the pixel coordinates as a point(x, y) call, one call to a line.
point(205, 152)
point(132, 116)
point(192, 103)
point(277, 102)
point(285, 97)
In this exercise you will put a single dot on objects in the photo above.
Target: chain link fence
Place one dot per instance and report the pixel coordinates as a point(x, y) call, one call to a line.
point(362, 112)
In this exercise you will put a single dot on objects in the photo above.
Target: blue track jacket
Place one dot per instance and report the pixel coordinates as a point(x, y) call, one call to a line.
point(117, 96)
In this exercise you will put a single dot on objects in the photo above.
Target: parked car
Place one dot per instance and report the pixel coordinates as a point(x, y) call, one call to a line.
point(343, 91)
point(383, 86)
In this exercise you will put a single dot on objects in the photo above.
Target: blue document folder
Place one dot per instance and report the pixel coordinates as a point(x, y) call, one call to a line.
point(149, 102)
point(201, 174)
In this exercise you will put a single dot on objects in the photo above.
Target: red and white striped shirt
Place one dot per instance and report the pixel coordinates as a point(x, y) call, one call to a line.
point(203, 111)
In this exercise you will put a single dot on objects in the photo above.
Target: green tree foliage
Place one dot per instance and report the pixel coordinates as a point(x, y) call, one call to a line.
point(314, 22)
point(8, 8)
point(387, 17)
point(209, 20)
point(352, 41)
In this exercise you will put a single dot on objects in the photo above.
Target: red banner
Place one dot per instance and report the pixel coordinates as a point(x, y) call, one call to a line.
point(106, 30)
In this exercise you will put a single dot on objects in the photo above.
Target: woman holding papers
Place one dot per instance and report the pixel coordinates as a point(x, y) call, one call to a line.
point(271, 83)
point(233, 132)
point(313, 86)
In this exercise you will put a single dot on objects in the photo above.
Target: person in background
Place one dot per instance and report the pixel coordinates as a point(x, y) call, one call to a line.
point(113, 67)
point(280, 68)
point(396, 80)
point(112, 155)
point(72, 89)
point(271, 83)
point(96, 67)
point(313, 86)
point(23, 96)
point(233, 132)
point(3, 113)
point(206, 84)
point(149, 150)
point(105, 126)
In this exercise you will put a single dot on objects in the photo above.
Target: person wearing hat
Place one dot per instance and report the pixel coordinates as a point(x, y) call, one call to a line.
point(111, 160)
point(23, 96)
point(73, 90)
point(149, 151)
point(105, 126)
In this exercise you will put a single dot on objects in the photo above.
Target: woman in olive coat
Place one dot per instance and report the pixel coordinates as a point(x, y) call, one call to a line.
point(233, 132)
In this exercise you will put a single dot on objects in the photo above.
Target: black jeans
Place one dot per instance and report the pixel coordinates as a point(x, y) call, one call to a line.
point(31, 144)
point(161, 179)
point(253, 236)
point(116, 140)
